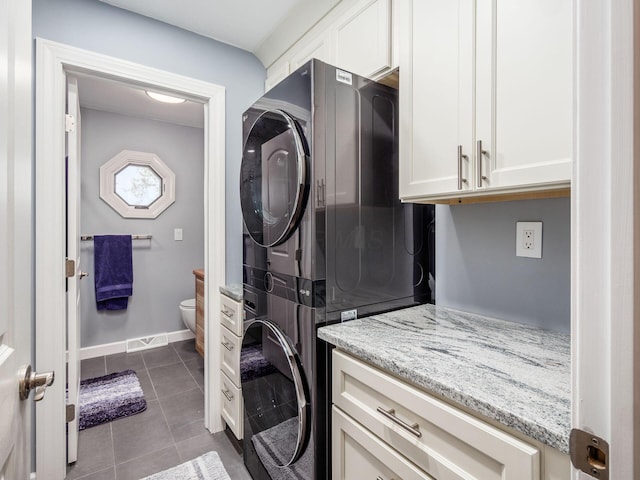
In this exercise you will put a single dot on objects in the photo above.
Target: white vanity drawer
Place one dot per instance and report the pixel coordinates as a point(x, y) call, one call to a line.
point(231, 315)
point(232, 406)
point(442, 440)
point(230, 355)
point(358, 454)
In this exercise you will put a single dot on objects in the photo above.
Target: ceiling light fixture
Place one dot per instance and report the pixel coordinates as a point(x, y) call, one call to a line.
point(161, 97)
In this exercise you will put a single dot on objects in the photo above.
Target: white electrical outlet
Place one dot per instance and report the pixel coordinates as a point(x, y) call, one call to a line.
point(177, 234)
point(529, 239)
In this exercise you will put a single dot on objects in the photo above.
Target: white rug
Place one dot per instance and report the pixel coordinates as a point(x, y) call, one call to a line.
point(204, 467)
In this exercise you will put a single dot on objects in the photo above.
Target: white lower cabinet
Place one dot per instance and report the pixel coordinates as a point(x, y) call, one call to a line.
point(383, 422)
point(358, 454)
point(231, 322)
point(232, 405)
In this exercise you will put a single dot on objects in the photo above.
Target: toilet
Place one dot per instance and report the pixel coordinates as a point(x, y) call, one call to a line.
point(188, 313)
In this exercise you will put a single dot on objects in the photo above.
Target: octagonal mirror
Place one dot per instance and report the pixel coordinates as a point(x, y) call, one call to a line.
point(137, 184)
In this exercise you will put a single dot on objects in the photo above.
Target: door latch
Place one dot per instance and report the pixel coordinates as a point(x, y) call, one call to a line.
point(589, 454)
point(70, 268)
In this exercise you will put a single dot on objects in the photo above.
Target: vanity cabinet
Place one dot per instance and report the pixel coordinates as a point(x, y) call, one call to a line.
point(199, 274)
point(231, 330)
point(485, 98)
point(357, 36)
point(388, 428)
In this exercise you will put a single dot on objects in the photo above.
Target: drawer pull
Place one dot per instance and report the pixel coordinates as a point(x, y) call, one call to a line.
point(227, 394)
point(227, 345)
point(228, 313)
point(391, 415)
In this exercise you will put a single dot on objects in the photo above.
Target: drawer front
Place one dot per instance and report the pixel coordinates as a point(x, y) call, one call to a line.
point(440, 439)
point(358, 454)
point(230, 355)
point(232, 407)
point(231, 314)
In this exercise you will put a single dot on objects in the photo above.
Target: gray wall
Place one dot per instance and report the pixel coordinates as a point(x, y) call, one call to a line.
point(162, 267)
point(477, 270)
point(96, 26)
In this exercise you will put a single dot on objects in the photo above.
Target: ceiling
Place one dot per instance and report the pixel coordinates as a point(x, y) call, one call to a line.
point(118, 97)
point(242, 23)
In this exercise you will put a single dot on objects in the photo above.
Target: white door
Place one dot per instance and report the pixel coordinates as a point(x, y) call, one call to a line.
point(15, 234)
point(73, 254)
point(605, 230)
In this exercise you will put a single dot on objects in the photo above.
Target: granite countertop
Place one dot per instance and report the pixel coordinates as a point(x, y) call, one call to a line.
point(515, 374)
point(233, 291)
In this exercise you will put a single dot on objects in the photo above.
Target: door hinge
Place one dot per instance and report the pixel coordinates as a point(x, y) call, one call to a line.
point(589, 454)
point(71, 412)
point(69, 123)
point(70, 268)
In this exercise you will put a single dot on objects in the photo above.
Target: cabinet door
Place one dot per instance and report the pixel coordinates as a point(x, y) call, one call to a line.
point(363, 38)
point(358, 454)
point(436, 96)
point(275, 74)
point(320, 48)
point(524, 92)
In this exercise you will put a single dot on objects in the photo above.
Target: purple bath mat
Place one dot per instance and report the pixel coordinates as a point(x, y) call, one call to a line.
point(110, 397)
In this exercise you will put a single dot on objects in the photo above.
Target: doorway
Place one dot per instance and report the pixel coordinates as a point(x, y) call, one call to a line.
point(54, 61)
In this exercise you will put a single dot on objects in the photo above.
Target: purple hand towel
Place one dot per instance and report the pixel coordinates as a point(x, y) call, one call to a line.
point(113, 271)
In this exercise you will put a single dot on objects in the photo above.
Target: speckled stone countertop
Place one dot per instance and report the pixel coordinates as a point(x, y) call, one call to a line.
point(515, 374)
point(233, 291)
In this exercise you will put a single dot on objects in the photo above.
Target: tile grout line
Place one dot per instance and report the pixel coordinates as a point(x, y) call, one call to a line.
point(113, 450)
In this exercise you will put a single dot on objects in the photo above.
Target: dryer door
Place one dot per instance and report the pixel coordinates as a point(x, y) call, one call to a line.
point(273, 178)
point(276, 405)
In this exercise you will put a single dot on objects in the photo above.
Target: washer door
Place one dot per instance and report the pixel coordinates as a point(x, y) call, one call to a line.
point(276, 405)
point(273, 178)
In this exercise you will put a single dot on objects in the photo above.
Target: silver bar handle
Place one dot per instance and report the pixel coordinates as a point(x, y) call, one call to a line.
point(227, 394)
point(227, 313)
point(461, 157)
point(391, 415)
point(227, 345)
point(479, 153)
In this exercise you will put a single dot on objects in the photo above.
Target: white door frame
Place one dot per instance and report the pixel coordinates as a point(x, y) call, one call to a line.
point(605, 227)
point(53, 60)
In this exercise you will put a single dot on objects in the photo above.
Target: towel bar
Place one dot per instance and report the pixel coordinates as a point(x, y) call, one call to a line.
point(133, 237)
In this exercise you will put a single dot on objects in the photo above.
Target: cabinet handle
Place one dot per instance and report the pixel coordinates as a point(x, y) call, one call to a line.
point(461, 157)
point(391, 415)
point(228, 313)
point(380, 478)
point(227, 345)
point(227, 394)
point(479, 153)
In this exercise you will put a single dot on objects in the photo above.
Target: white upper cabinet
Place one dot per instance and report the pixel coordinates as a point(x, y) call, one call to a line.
point(320, 47)
point(436, 97)
point(486, 97)
point(275, 75)
point(357, 35)
point(363, 38)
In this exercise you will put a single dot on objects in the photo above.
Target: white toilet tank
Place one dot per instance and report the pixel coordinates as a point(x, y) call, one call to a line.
point(188, 313)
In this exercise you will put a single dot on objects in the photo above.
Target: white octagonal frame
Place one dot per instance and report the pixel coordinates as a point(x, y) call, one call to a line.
point(108, 173)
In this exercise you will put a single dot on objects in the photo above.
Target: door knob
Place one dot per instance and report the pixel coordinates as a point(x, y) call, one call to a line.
point(31, 380)
point(83, 274)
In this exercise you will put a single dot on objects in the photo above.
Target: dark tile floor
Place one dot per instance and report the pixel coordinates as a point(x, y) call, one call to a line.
point(170, 431)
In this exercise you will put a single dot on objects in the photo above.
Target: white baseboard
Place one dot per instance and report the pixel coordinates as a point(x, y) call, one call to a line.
point(121, 347)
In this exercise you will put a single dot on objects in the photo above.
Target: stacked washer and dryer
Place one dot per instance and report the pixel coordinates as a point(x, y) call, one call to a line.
point(325, 240)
